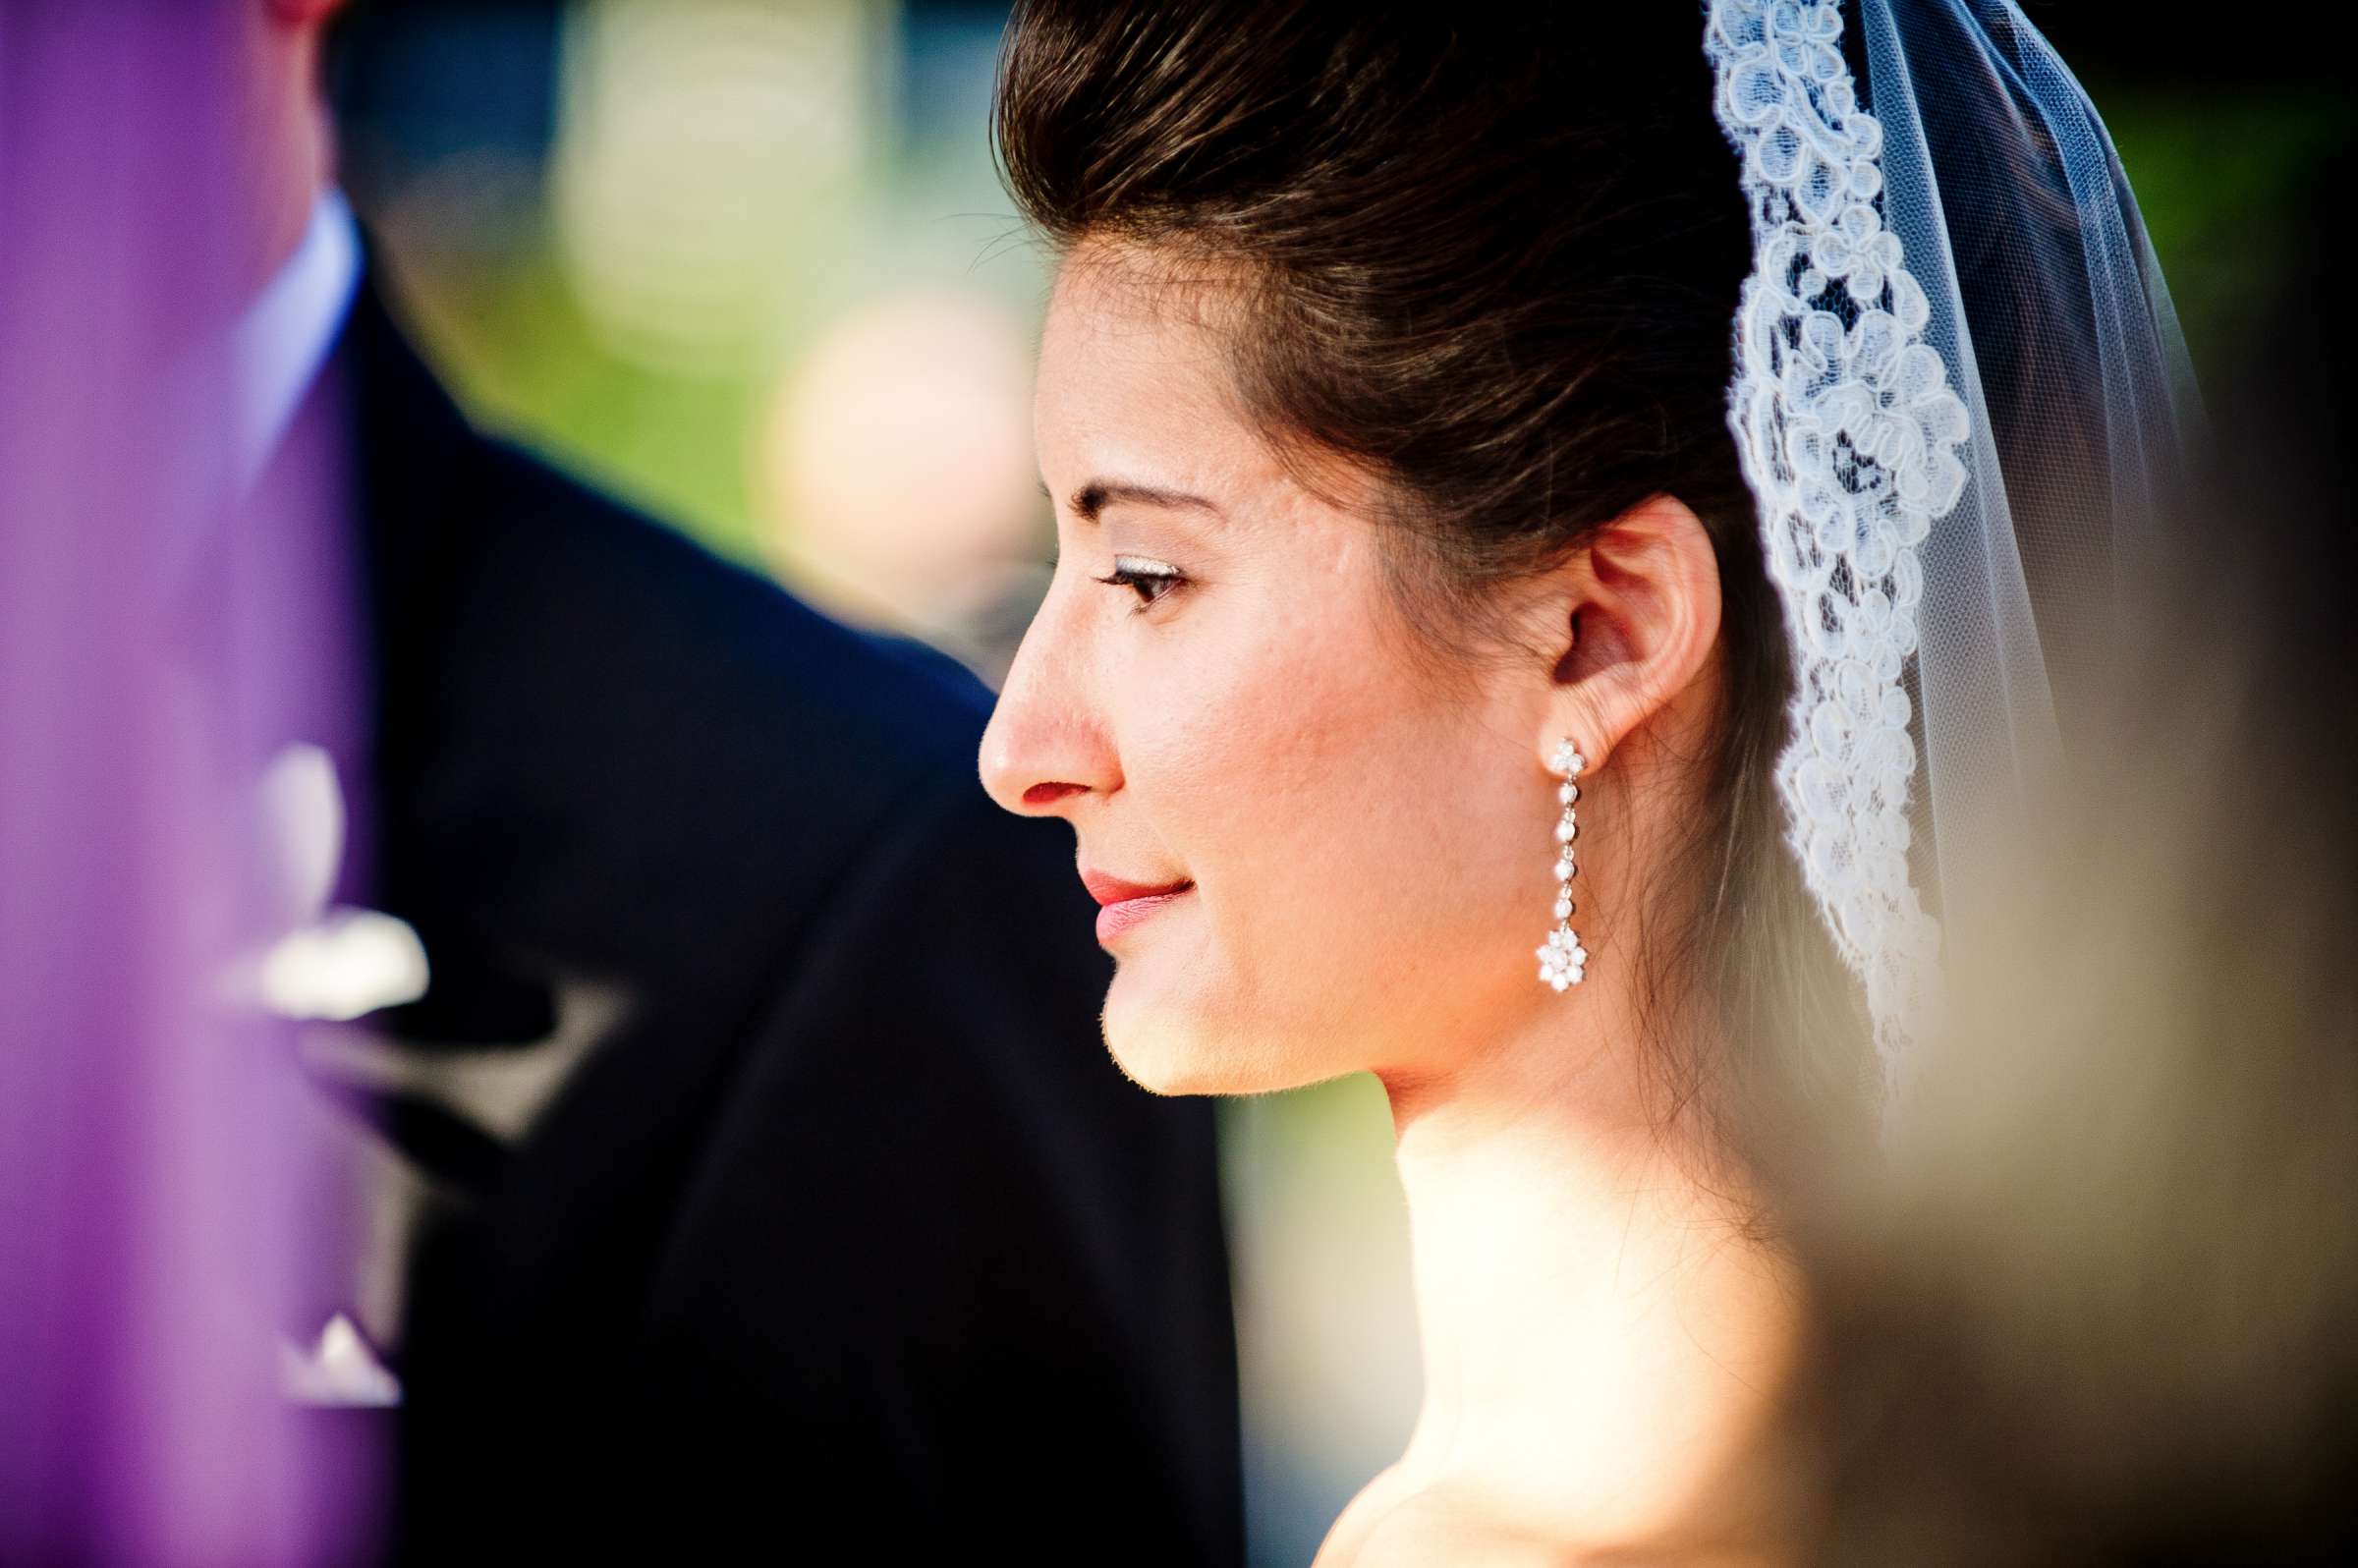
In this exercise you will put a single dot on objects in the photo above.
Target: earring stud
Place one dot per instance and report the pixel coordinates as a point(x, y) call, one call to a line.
point(1562, 960)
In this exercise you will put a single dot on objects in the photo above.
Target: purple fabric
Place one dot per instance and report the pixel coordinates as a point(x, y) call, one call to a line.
point(148, 1148)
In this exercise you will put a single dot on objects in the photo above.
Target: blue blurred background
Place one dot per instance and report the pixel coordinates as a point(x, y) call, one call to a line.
point(747, 263)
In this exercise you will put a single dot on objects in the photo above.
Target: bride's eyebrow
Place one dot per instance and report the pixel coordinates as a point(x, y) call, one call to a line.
point(1098, 495)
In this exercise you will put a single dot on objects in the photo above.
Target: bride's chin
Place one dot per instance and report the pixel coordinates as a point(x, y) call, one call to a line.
point(1160, 1058)
point(1165, 1048)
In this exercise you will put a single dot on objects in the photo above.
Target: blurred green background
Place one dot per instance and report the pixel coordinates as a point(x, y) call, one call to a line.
point(747, 263)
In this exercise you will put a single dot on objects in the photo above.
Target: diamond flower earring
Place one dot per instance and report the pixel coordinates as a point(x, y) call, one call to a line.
point(1562, 960)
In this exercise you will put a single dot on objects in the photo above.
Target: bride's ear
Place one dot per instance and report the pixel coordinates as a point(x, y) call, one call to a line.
point(1631, 619)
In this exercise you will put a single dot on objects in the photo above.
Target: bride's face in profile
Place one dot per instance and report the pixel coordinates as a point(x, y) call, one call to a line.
point(1224, 697)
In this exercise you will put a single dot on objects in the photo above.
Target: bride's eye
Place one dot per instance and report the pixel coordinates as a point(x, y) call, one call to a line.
point(1149, 580)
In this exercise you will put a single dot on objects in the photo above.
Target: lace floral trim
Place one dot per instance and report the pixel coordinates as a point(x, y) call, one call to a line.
point(1848, 433)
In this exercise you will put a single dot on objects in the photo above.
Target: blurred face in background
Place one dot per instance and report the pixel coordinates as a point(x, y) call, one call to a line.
point(1339, 844)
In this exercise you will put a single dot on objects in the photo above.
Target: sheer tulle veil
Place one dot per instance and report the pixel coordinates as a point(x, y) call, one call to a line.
point(1960, 399)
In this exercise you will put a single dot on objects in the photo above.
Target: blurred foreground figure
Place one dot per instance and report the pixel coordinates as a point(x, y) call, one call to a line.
point(150, 1144)
point(2102, 1306)
point(749, 1167)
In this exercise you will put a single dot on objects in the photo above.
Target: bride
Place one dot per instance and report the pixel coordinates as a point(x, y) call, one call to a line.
point(1461, 666)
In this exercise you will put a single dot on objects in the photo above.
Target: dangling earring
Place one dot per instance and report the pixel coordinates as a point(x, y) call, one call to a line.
point(1562, 960)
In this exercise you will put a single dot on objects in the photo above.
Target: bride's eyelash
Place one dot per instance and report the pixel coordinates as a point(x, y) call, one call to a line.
point(1141, 575)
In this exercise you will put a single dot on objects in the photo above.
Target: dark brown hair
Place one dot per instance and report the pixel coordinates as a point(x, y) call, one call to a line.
point(1493, 260)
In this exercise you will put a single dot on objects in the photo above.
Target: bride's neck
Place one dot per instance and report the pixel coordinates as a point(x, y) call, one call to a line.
point(1601, 1335)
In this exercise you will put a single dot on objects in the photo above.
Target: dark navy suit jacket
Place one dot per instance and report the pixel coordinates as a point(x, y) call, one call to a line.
point(837, 1235)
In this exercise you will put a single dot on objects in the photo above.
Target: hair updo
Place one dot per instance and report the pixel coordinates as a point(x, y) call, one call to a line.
point(1491, 257)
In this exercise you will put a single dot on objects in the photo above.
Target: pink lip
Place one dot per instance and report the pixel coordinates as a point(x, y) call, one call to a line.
point(1125, 904)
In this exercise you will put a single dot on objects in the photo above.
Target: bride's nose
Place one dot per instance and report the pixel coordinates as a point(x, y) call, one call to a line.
point(1045, 748)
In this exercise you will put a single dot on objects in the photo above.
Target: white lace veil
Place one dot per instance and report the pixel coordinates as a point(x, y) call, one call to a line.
point(1960, 392)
